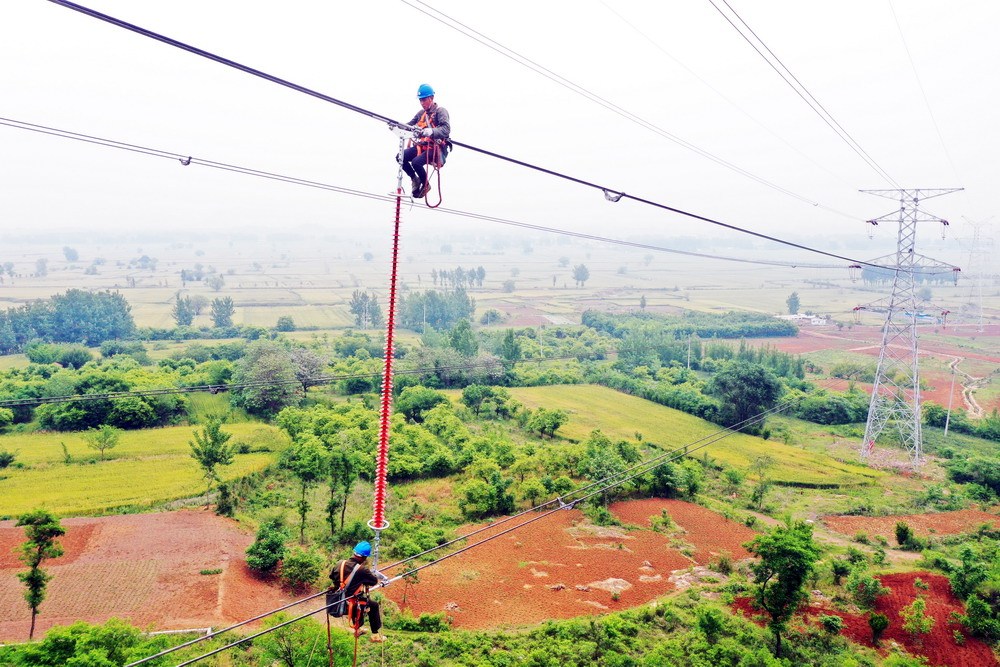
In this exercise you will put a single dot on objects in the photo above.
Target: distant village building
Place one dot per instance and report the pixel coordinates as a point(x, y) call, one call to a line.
point(814, 320)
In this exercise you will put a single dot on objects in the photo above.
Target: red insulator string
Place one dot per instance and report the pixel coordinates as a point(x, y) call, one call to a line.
point(378, 522)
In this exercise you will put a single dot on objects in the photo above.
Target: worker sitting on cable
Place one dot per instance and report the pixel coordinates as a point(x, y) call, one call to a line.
point(434, 127)
point(357, 578)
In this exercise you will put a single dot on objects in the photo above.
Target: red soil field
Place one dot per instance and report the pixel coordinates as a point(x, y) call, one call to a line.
point(140, 567)
point(938, 647)
point(940, 523)
point(561, 566)
point(866, 340)
point(145, 568)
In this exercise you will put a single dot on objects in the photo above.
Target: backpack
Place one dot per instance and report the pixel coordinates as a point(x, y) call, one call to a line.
point(336, 600)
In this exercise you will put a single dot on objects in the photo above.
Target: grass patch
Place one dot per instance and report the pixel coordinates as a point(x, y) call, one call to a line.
point(621, 416)
point(149, 468)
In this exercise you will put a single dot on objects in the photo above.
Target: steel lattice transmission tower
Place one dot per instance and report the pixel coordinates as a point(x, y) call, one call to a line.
point(895, 395)
point(979, 252)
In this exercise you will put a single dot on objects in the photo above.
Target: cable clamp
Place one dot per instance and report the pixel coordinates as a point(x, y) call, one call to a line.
point(185, 160)
point(567, 506)
point(611, 195)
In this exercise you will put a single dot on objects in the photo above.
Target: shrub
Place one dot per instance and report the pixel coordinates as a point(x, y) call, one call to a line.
point(865, 589)
point(878, 624)
point(916, 622)
point(831, 624)
point(300, 568)
point(7, 458)
point(710, 622)
point(840, 570)
point(268, 548)
point(856, 556)
point(724, 564)
point(904, 534)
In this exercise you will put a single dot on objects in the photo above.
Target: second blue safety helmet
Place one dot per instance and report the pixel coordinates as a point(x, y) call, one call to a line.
point(363, 549)
point(424, 90)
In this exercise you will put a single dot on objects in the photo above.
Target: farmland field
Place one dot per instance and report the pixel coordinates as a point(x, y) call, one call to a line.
point(146, 469)
point(941, 523)
point(622, 416)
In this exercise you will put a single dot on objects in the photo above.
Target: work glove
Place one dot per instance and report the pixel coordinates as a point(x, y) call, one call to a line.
point(426, 132)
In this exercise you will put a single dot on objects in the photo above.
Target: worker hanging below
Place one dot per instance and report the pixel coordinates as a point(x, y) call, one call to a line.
point(353, 577)
point(431, 145)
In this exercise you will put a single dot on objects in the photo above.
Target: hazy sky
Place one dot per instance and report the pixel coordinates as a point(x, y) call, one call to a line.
point(678, 65)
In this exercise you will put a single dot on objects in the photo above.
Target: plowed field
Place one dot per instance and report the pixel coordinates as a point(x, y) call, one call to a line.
point(940, 523)
point(562, 566)
point(145, 568)
point(140, 567)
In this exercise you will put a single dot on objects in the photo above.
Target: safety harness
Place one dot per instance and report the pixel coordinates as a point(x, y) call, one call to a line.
point(436, 150)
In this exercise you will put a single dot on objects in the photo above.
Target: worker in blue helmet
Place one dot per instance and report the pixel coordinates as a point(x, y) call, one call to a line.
point(433, 130)
point(356, 579)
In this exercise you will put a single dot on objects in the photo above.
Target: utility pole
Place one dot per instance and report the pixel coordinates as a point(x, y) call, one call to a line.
point(896, 392)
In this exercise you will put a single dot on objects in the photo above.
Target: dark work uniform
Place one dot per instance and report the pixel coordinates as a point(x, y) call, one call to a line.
point(438, 119)
point(363, 579)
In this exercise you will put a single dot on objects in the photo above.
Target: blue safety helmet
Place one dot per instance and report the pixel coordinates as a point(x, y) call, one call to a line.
point(363, 549)
point(424, 90)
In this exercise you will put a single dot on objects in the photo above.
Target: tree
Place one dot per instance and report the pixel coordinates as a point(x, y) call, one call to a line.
point(510, 347)
point(965, 578)
point(216, 282)
point(642, 302)
point(916, 622)
point(70, 254)
point(266, 379)
point(414, 401)
point(307, 459)
point(343, 469)
point(462, 339)
point(183, 312)
point(41, 267)
point(787, 556)
point(581, 274)
point(531, 490)
point(210, 449)
point(222, 312)
point(102, 439)
point(793, 303)
point(198, 303)
point(366, 310)
point(546, 422)
point(744, 390)
point(285, 323)
point(41, 529)
point(74, 356)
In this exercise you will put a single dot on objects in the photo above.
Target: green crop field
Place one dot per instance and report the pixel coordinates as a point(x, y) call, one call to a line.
point(147, 468)
point(622, 416)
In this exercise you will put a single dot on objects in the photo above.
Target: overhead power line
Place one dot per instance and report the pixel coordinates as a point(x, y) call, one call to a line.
point(189, 160)
point(603, 485)
point(530, 64)
point(725, 98)
point(920, 85)
point(793, 82)
point(610, 193)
